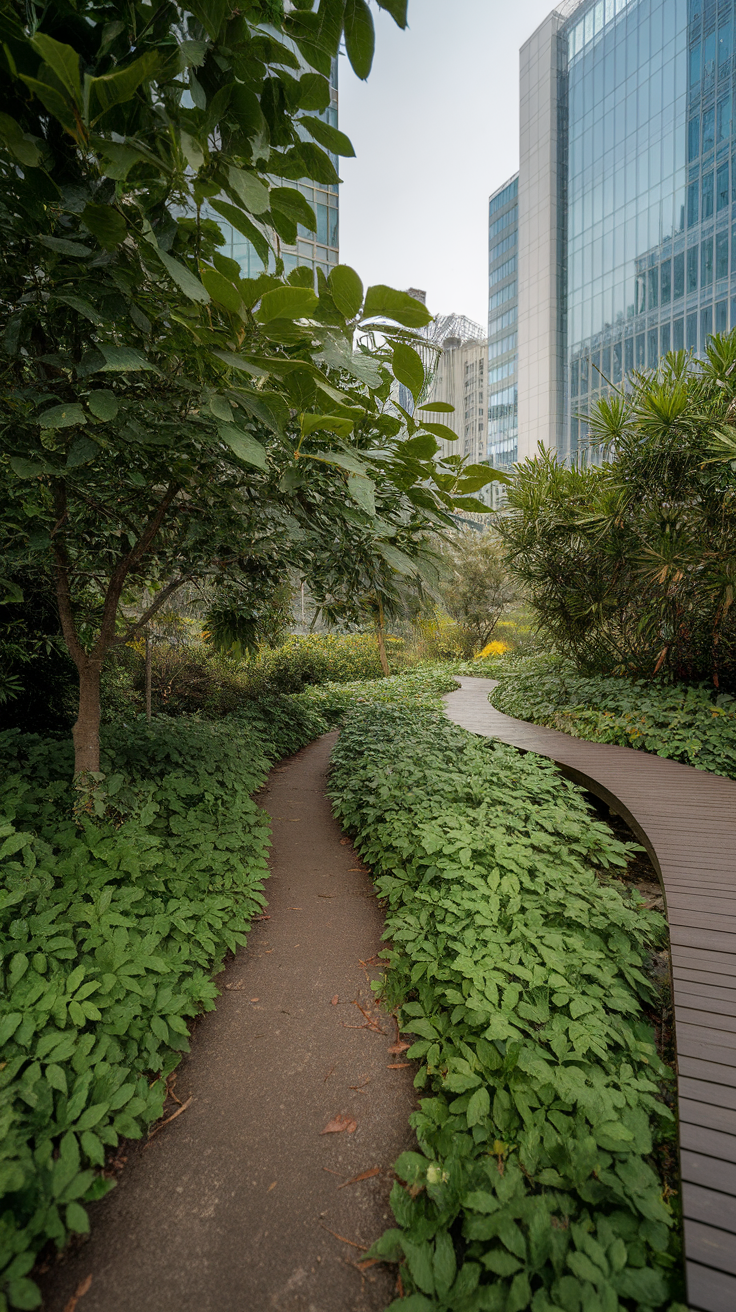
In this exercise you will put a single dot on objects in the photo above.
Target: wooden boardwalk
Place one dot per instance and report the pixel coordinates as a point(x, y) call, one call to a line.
point(686, 819)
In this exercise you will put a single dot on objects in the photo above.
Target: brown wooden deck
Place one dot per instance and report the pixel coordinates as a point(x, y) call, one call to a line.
point(686, 819)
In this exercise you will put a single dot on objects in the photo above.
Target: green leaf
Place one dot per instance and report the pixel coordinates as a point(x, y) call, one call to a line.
point(338, 458)
point(479, 1106)
point(241, 362)
point(286, 303)
point(327, 136)
point(314, 91)
point(444, 1264)
point(419, 1261)
point(242, 223)
point(63, 60)
point(385, 302)
point(81, 450)
point(360, 37)
point(346, 290)
point(79, 304)
point(250, 190)
point(21, 145)
point(442, 431)
point(403, 564)
point(56, 1077)
point(24, 1294)
point(315, 163)
point(27, 468)
point(123, 359)
point(473, 477)
point(115, 88)
point(291, 203)
point(328, 424)
point(9, 1024)
point(103, 404)
point(184, 279)
point(63, 246)
point(471, 505)
point(222, 291)
point(440, 407)
point(63, 416)
point(408, 368)
point(77, 1219)
point(106, 224)
point(243, 445)
point(422, 447)
point(397, 10)
point(363, 492)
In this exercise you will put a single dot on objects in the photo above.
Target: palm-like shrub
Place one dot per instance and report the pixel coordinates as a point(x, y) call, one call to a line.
point(630, 565)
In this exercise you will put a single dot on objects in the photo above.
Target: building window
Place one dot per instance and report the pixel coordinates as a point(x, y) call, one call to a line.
point(707, 208)
point(692, 332)
point(721, 255)
point(692, 204)
point(678, 269)
point(640, 351)
point(706, 325)
point(706, 262)
point(693, 138)
point(692, 269)
point(664, 335)
point(652, 348)
point(653, 288)
point(709, 121)
point(722, 187)
point(721, 316)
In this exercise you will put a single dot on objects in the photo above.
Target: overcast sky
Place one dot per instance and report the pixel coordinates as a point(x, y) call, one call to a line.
point(435, 130)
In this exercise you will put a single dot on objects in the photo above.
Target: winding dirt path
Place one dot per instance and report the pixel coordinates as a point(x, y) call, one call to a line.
point(230, 1208)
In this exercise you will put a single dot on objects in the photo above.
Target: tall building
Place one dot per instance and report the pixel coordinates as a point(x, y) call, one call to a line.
point(318, 249)
point(626, 186)
point(503, 300)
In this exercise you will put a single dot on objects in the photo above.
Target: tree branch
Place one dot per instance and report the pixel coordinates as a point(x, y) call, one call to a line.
point(122, 569)
point(63, 593)
point(155, 606)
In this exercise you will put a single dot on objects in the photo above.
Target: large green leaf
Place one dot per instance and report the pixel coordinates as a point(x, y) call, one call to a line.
point(105, 223)
point(327, 136)
point(437, 407)
point(422, 447)
point(286, 303)
point(81, 305)
point(289, 201)
point(242, 223)
point(408, 368)
point(63, 416)
point(396, 8)
point(62, 246)
point(385, 302)
point(63, 60)
point(101, 93)
point(184, 279)
point(123, 359)
point(363, 492)
point(103, 404)
point(241, 362)
point(222, 290)
point(398, 560)
point(314, 91)
point(328, 424)
point(346, 290)
point(360, 37)
point(339, 458)
point(249, 189)
point(442, 431)
point(243, 445)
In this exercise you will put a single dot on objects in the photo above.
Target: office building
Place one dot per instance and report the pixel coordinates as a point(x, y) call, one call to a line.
point(503, 299)
point(625, 196)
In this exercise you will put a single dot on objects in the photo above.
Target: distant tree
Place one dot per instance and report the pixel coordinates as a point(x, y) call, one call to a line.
point(478, 587)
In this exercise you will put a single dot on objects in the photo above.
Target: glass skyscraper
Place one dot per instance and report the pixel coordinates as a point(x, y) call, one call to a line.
point(626, 143)
point(502, 325)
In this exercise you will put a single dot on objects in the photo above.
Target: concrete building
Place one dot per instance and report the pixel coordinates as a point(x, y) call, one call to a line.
point(626, 190)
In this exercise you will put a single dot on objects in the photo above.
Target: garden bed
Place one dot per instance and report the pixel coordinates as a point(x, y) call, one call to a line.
point(519, 965)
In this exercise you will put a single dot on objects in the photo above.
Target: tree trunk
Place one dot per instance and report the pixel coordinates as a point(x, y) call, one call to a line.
point(383, 658)
point(148, 676)
point(86, 731)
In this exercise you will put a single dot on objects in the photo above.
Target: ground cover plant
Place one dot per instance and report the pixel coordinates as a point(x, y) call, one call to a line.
point(518, 964)
point(110, 929)
point(694, 725)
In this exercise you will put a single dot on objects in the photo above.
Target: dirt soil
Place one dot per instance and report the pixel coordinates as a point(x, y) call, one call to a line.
point(238, 1204)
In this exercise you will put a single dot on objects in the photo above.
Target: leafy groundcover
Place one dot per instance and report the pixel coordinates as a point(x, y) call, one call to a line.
point(695, 725)
point(518, 963)
point(110, 932)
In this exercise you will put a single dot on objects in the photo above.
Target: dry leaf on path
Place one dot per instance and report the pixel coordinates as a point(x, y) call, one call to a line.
point(363, 1247)
point(397, 1048)
point(367, 1175)
point(169, 1119)
point(238, 985)
point(398, 1065)
point(270, 1187)
point(79, 1292)
point(335, 1000)
point(344, 842)
point(340, 1123)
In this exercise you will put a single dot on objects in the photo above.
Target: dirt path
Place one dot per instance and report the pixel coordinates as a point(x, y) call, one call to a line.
point(230, 1207)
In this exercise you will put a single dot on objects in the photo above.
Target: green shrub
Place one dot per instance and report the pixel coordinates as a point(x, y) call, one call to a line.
point(693, 725)
point(109, 934)
point(518, 965)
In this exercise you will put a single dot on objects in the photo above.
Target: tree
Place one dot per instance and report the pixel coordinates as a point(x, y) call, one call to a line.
point(630, 565)
point(167, 420)
point(478, 587)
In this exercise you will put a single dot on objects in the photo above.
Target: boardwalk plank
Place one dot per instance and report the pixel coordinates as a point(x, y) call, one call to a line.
point(686, 819)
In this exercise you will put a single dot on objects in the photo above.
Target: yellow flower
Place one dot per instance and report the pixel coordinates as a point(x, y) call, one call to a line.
point(492, 649)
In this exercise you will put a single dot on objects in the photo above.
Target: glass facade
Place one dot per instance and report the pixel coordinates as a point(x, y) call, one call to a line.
point(503, 210)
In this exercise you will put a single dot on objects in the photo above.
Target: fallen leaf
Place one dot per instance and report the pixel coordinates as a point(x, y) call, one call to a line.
point(238, 985)
point(327, 895)
point(270, 1187)
point(293, 908)
point(398, 1065)
point(357, 870)
point(327, 1076)
point(339, 1123)
point(79, 1292)
point(365, 1263)
point(398, 1047)
point(344, 842)
point(335, 1000)
point(363, 1247)
point(330, 1171)
point(367, 1175)
point(258, 1000)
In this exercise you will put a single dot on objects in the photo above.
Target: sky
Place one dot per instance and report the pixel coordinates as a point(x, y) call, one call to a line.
point(435, 130)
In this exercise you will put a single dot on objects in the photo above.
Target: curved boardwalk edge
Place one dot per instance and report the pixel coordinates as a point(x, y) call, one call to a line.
point(686, 819)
